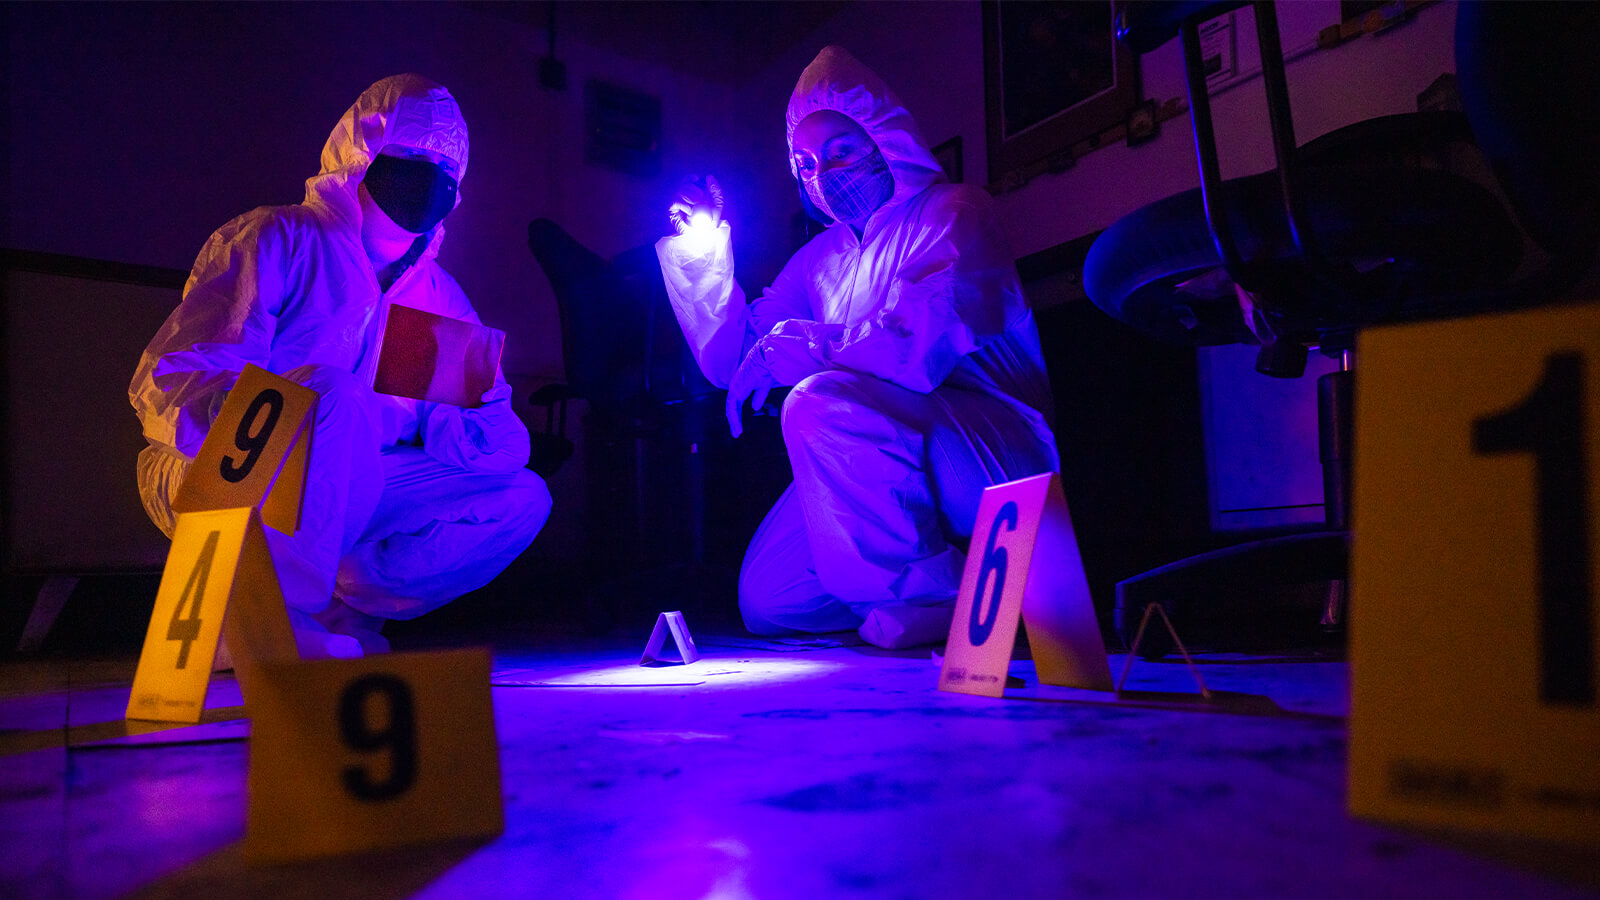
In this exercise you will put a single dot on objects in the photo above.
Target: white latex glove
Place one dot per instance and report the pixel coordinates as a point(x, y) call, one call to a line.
point(751, 378)
point(499, 391)
point(696, 203)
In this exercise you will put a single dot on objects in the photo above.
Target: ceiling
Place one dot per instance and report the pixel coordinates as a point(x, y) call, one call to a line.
point(725, 41)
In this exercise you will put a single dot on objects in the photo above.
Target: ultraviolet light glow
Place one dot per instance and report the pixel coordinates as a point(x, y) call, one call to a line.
point(701, 232)
point(701, 675)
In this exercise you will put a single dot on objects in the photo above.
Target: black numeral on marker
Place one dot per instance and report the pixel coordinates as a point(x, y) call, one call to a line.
point(994, 560)
point(253, 443)
point(398, 736)
point(1549, 424)
point(187, 628)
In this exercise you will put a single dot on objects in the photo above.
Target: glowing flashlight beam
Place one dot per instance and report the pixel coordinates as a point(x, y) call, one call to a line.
point(724, 673)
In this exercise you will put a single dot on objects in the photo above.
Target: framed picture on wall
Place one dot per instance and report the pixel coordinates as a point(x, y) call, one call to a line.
point(1054, 75)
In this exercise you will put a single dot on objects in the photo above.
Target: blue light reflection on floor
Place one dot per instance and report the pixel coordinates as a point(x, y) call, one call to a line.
point(709, 672)
point(836, 772)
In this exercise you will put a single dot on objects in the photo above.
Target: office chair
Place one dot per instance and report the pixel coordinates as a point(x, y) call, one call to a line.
point(603, 340)
point(550, 447)
point(1362, 226)
point(644, 429)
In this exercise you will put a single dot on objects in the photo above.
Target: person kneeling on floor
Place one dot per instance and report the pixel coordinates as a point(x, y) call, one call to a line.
point(407, 504)
point(917, 374)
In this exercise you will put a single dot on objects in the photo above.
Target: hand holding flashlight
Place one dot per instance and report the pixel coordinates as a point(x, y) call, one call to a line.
point(696, 204)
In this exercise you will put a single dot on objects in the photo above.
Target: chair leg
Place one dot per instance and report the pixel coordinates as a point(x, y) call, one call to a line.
point(1209, 596)
point(1218, 597)
point(1335, 417)
point(47, 606)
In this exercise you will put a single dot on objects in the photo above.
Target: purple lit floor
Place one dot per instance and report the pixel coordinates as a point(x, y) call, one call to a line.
point(804, 773)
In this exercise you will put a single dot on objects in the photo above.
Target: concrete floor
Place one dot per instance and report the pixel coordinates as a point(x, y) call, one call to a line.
point(780, 771)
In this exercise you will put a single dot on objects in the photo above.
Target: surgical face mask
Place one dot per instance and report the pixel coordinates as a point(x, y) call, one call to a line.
point(851, 193)
point(415, 193)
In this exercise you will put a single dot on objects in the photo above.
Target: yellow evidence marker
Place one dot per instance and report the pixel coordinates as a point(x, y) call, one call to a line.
point(218, 580)
point(256, 451)
point(350, 755)
point(1473, 635)
point(1024, 564)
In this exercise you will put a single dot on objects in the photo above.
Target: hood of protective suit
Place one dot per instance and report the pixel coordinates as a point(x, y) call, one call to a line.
point(838, 81)
point(409, 110)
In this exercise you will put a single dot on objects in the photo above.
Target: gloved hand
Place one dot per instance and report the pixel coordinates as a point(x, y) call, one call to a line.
point(697, 202)
point(487, 438)
point(752, 377)
point(501, 391)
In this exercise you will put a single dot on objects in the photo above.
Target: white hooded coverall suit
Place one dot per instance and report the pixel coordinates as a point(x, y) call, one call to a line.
point(918, 381)
point(407, 504)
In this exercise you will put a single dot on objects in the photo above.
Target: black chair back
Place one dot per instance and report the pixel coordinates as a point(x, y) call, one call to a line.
point(621, 346)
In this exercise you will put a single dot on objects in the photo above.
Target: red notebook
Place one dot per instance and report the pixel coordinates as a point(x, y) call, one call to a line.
point(436, 358)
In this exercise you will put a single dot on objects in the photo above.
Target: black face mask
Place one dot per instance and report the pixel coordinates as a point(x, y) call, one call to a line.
point(415, 193)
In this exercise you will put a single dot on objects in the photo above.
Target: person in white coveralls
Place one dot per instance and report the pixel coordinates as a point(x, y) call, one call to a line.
point(407, 504)
point(915, 364)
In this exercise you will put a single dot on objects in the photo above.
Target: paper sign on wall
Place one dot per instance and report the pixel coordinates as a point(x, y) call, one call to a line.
point(256, 451)
point(1024, 565)
point(350, 755)
point(218, 581)
point(1475, 654)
